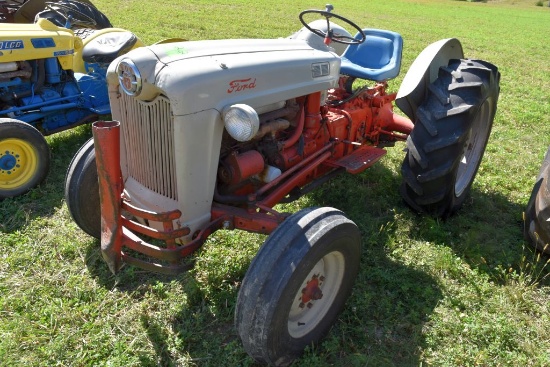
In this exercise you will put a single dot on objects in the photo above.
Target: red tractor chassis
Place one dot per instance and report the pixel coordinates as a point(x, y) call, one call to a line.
point(326, 139)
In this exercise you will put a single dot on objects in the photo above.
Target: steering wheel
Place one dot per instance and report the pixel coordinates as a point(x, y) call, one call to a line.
point(329, 35)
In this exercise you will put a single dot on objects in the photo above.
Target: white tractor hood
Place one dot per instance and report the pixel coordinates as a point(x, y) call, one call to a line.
point(202, 75)
point(173, 52)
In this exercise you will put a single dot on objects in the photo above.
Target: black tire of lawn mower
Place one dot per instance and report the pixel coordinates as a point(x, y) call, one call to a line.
point(451, 131)
point(537, 213)
point(82, 190)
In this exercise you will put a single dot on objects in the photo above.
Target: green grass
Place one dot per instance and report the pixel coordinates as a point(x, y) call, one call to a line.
point(463, 292)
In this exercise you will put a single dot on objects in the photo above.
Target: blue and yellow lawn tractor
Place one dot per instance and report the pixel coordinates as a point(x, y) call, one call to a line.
point(52, 78)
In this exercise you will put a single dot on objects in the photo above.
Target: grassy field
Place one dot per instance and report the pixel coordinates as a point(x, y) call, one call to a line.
point(467, 291)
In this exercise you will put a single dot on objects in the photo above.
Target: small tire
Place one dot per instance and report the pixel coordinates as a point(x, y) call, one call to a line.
point(24, 157)
point(297, 284)
point(537, 212)
point(82, 190)
point(451, 131)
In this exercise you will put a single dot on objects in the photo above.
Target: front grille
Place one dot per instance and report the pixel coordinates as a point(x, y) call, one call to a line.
point(148, 135)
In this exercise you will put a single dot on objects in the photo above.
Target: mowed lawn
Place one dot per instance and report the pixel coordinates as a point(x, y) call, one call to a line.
point(467, 291)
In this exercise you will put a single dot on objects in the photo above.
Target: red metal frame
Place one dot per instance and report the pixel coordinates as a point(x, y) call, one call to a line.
point(107, 147)
point(331, 137)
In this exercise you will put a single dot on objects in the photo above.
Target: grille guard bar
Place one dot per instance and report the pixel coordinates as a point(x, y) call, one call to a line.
point(106, 143)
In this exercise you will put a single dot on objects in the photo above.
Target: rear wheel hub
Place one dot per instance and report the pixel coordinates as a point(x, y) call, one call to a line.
point(18, 163)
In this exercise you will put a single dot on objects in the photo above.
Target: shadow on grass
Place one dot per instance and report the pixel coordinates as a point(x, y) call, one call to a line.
point(41, 201)
point(391, 302)
point(130, 279)
point(486, 232)
point(201, 330)
point(158, 336)
point(383, 320)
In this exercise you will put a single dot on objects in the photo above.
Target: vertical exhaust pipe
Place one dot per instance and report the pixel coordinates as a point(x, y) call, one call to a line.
point(107, 148)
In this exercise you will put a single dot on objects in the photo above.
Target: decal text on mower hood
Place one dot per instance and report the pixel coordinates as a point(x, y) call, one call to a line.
point(11, 45)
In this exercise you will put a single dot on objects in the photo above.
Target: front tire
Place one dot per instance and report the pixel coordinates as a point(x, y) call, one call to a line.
point(82, 190)
point(297, 284)
point(451, 131)
point(24, 157)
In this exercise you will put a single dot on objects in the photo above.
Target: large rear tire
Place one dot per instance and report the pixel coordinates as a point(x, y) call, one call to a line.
point(537, 213)
point(24, 157)
point(81, 14)
point(82, 190)
point(451, 131)
point(297, 284)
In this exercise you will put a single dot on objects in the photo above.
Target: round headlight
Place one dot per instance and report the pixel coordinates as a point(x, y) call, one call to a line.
point(241, 122)
point(129, 77)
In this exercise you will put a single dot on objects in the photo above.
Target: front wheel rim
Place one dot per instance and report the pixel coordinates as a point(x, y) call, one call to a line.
point(18, 163)
point(474, 148)
point(316, 294)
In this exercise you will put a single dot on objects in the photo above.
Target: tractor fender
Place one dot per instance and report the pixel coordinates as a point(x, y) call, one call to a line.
point(424, 71)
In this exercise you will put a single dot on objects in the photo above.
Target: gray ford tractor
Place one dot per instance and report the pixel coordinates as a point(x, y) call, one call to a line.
point(213, 134)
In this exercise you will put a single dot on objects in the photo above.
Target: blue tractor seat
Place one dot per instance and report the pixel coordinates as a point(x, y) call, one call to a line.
point(378, 58)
